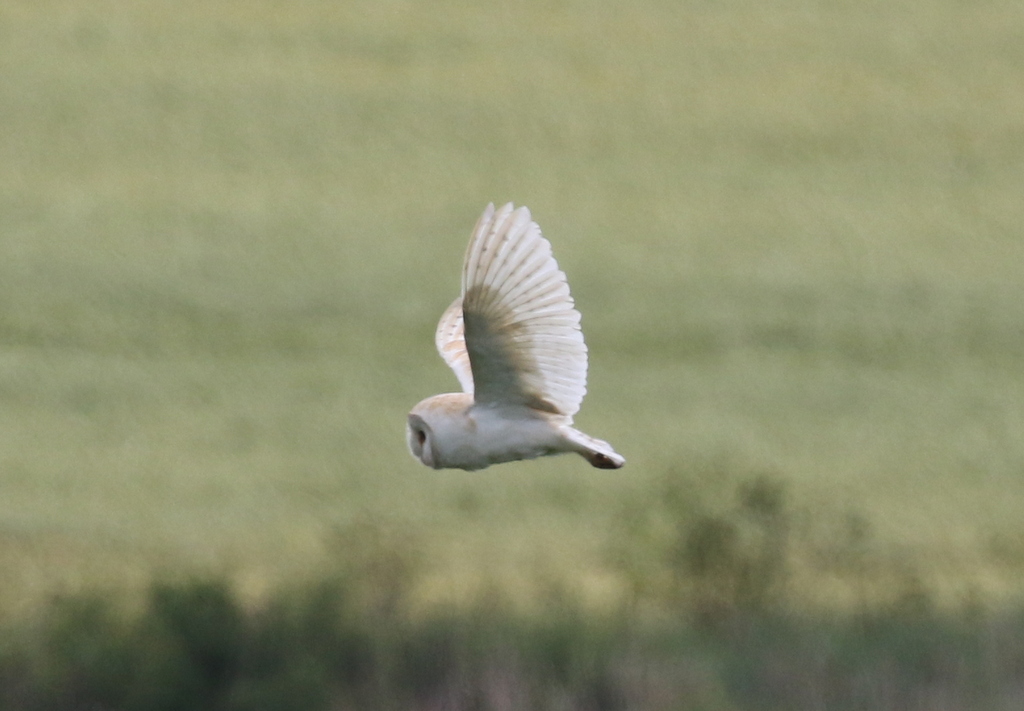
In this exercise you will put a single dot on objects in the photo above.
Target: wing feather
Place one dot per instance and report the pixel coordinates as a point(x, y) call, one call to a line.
point(451, 344)
point(516, 326)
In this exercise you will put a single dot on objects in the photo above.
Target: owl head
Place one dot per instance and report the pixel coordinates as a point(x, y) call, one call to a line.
point(438, 425)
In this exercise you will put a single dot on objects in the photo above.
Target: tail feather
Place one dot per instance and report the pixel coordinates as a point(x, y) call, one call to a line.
point(598, 452)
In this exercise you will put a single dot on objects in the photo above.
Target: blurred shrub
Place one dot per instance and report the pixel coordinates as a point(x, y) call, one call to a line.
point(380, 563)
point(192, 645)
point(676, 551)
point(716, 570)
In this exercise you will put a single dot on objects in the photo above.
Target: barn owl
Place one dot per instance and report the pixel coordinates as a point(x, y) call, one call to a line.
point(513, 339)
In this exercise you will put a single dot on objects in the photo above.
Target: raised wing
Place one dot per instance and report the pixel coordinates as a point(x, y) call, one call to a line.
point(521, 332)
point(451, 344)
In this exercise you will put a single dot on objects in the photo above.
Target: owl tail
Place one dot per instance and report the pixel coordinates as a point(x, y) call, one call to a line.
point(598, 452)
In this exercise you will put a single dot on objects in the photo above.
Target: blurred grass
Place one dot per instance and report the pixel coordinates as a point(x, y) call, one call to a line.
point(227, 230)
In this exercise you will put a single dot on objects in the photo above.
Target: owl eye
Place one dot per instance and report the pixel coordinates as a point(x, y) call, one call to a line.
point(421, 436)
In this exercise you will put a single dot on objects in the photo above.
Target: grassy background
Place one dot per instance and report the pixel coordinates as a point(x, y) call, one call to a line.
point(227, 230)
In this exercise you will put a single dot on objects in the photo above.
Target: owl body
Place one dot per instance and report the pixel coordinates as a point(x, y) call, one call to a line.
point(514, 342)
point(451, 431)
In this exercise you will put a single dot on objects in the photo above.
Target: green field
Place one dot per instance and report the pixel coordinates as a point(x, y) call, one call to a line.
point(794, 230)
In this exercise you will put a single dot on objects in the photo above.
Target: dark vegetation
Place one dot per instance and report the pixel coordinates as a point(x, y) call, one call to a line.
point(711, 623)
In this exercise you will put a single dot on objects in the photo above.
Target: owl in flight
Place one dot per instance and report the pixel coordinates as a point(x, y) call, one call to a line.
point(513, 339)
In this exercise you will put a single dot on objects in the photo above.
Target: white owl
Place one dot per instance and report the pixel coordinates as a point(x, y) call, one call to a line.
point(513, 339)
